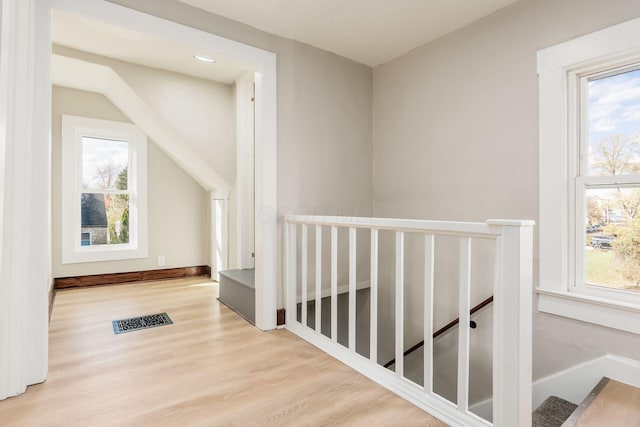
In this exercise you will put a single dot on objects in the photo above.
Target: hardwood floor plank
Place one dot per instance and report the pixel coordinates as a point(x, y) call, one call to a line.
point(209, 368)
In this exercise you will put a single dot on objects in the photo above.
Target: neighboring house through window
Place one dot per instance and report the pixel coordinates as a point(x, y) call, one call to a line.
point(590, 178)
point(104, 187)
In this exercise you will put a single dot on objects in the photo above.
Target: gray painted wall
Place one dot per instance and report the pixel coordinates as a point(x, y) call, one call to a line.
point(324, 158)
point(456, 138)
point(178, 206)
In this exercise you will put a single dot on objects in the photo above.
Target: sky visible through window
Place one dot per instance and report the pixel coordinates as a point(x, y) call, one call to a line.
point(102, 160)
point(613, 213)
point(614, 105)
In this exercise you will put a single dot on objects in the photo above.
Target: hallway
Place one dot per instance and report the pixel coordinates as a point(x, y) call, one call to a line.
point(209, 368)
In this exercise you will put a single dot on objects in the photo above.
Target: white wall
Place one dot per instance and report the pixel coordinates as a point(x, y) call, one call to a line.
point(456, 138)
point(178, 206)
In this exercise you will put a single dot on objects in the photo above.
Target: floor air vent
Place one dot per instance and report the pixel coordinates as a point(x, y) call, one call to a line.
point(142, 322)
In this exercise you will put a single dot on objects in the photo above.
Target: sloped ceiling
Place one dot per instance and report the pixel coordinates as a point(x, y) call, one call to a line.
point(82, 75)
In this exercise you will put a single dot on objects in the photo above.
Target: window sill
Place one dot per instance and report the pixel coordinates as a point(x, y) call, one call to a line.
point(599, 311)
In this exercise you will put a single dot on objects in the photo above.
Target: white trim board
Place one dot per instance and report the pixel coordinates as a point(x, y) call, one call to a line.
point(573, 384)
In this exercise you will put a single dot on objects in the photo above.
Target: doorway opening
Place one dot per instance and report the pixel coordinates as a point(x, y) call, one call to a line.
point(83, 42)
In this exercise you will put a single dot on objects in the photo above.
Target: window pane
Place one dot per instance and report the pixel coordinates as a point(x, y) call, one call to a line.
point(613, 238)
point(614, 124)
point(105, 219)
point(104, 163)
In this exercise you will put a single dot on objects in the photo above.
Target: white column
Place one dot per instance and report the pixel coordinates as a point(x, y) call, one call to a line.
point(24, 194)
point(266, 218)
point(219, 232)
point(512, 323)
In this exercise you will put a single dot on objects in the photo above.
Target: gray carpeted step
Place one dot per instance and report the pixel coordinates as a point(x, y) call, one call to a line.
point(238, 292)
point(553, 412)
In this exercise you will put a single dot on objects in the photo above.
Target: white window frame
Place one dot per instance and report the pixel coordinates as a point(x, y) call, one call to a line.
point(74, 128)
point(561, 71)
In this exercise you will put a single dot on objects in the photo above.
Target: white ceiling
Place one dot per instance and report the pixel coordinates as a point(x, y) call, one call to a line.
point(371, 32)
point(115, 42)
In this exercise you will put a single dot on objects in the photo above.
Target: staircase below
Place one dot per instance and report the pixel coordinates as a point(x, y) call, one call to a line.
point(553, 412)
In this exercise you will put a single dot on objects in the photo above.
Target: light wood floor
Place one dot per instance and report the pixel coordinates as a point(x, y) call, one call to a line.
point(210, 368)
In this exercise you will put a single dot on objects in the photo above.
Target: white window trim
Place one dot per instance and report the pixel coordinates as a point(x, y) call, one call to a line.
point(73, 129)
point(558, 70)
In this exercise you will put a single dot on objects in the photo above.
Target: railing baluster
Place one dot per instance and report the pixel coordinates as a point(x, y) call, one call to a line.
point(334, 284)
point(291, 270)
point(512, 309)
point(399, 303)
point(352, 289)
point(318, 278)
point(303, 272)
point(373, 298)
point(463, 328)
point(429, 255)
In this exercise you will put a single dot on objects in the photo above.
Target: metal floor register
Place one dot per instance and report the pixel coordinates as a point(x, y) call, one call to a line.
point(142, 322)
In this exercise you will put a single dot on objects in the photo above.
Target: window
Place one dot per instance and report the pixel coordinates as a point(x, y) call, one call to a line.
point(590, 178)
point(607, 198)
point(103, 190)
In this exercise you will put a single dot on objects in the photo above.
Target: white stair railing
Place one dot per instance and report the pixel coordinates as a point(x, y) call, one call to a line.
point(512, 327)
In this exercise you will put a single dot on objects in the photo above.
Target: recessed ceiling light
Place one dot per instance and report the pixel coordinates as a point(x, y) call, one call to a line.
point(203, 58)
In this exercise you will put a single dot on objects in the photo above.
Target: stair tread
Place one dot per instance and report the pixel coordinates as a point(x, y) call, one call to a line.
point(553, 412)
point(244, 277)
point(610, 403)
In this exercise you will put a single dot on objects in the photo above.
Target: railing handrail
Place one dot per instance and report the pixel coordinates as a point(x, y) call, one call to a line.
point(442, 330)
point(449, 228)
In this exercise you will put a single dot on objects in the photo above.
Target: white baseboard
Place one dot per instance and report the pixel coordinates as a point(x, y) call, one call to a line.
point(573, 384)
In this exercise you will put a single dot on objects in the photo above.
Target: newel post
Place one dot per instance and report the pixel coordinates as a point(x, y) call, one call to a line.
point(512, 323)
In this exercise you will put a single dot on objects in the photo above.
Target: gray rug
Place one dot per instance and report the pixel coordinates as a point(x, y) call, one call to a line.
point(141, 322)
point(553, 412)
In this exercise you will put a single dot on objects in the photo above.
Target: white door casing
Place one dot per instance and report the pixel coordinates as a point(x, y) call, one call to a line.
point(25, 259)
point(264, 63)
